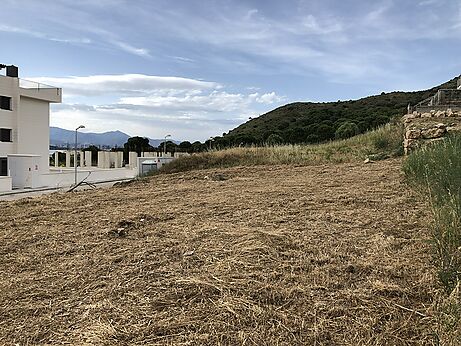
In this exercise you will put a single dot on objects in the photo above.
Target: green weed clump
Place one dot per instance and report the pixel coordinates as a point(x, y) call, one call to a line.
point(436, 170)
point(353, 149)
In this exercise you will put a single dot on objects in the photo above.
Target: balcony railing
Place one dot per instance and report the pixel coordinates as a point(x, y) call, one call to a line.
point(28, 84)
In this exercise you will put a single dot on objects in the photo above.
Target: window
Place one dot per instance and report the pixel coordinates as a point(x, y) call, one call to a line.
point(3, 166)
point(5, 103)
point(5, 135)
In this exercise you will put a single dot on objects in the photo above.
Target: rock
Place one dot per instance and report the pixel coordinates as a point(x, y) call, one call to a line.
point(413, 134)
point(453, 128)
point(441, 126)
point(433, 132)
point(188, 253)
point(416, 114)
point(410, 143)
point(426, 115)
point(440, 114)
point(449, 112)
point(409, 116)
point(367, 160)
point(219, 177)
point(119, 232)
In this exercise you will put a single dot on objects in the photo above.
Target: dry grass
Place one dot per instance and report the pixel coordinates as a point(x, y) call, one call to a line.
point(269, 255)
point(383, 142)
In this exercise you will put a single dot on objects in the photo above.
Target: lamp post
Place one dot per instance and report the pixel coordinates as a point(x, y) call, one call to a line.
point(164, 145)
point(75, 155)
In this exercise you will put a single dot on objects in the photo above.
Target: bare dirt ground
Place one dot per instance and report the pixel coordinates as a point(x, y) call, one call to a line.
point(282, 255)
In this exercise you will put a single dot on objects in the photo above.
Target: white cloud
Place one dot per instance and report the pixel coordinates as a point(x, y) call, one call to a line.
point(428, 2)
point(98, 85)
point(41, 35)
point(152, 105)
point(329, 26)
point(269, 98)
point(130, 49)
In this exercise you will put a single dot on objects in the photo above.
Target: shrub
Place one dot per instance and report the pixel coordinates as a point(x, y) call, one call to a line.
point(274, 139)
point(346, 130)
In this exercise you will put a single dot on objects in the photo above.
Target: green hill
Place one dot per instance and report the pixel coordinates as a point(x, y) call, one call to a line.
point(307, 122)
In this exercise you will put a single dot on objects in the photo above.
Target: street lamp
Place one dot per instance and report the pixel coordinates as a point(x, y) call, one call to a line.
point(164, 145)
point(75, 155)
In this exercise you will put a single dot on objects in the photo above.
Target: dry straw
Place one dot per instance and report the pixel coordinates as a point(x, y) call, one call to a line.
point(269, 255)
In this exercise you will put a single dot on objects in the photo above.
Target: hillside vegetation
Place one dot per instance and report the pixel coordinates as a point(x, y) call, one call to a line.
point(381, 143)
point(307, 122)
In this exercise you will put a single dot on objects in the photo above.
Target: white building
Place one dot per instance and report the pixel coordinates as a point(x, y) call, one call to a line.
point(24, 130)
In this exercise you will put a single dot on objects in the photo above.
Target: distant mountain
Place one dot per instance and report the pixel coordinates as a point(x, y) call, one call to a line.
point(66, 138)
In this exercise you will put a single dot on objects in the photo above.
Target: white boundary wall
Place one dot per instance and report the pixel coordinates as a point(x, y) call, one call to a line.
point(6, 184)
point(67, 177)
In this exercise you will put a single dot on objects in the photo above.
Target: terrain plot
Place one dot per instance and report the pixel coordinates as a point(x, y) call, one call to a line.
point(267, 255)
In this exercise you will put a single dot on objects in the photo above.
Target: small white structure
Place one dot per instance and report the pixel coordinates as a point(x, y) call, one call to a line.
point(24, 128)
point(25, 170)
point(147, 164)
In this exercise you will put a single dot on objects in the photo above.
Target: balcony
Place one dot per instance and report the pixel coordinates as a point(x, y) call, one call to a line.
point(40, 91)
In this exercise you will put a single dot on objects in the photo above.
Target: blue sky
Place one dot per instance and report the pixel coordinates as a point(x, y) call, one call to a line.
point(195, 69)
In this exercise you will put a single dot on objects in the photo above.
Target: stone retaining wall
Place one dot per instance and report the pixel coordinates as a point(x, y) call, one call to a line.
point(428, 127)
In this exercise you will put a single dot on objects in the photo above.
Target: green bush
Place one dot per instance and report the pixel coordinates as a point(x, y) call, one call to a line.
point(274, 139)
point(436, 170)
point(346, 130)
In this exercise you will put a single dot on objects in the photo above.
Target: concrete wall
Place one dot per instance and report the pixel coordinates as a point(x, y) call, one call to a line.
point(133, 159)
point(40, 93)
point(34, 130)
point(103, 159)
point(88, 158)
point(5, 184)
point(8, 119)
point(64, 178)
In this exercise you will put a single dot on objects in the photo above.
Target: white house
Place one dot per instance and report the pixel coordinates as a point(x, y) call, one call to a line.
point(24, 129)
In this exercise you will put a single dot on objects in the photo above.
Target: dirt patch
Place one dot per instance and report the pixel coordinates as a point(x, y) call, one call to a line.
point(281, 255)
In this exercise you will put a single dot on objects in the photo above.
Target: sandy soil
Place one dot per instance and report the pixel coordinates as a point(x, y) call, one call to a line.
point(282, 255)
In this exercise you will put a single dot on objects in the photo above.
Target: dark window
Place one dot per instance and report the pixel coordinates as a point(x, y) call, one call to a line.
point(3, 166)
point(5, 135)
point(5, 103)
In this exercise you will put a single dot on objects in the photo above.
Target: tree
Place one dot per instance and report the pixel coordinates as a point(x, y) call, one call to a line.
point(198, 147)
point(274, 139)
point(325, 132)
point(185, 146)
point(171, 147)
point(346, 130)
point(137, 144)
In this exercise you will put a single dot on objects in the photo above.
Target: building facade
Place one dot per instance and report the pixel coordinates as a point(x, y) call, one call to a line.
point(24, 128)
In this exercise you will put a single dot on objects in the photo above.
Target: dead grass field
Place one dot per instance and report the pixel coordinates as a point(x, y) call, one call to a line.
point(281, 255)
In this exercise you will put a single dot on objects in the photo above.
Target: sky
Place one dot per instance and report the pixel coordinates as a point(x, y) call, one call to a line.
point(198, 68)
